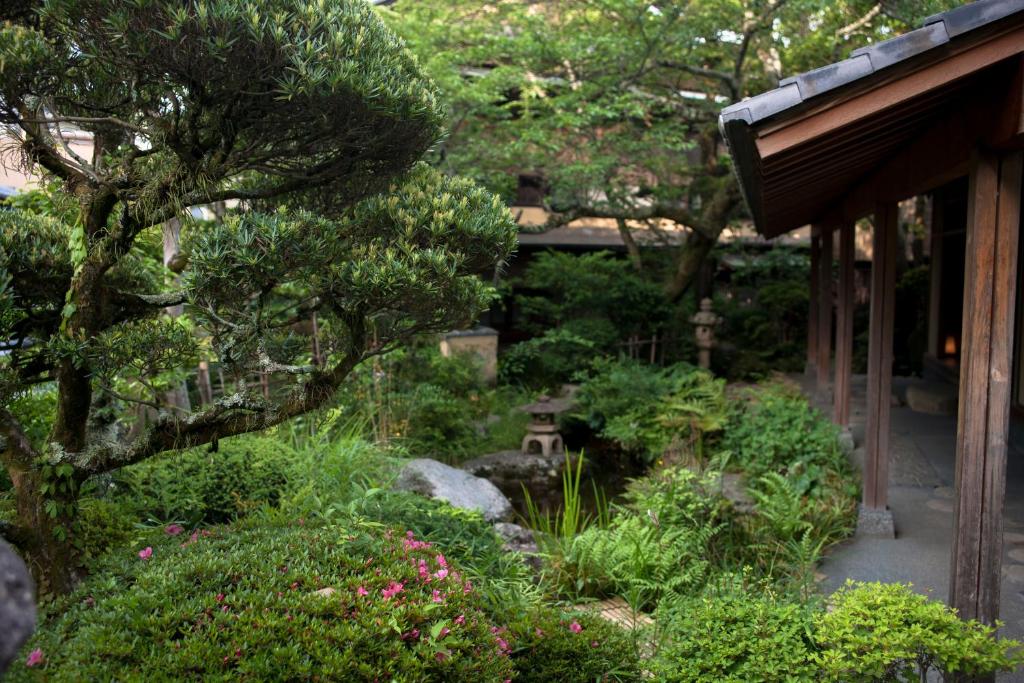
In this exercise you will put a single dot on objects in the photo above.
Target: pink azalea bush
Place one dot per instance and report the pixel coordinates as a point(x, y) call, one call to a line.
point(245, 605)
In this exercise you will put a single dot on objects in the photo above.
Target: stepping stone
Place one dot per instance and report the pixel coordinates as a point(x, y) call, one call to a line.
point(932, 398)
point(618, 611)
point(1016, 555)
point(1013, 537)
point(946, 492)
point(940, 505)
point(1014, 572)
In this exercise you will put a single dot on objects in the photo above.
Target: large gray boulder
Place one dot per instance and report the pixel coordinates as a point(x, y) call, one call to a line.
point(459, 488)
point(17, 605)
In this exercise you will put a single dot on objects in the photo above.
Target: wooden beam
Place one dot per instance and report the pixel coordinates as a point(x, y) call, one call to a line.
point(1006, 129)
point(983, 422)
point(824, 360)
point(844, 326)
point(883, 299)
point(812, 311)
point(901, 87)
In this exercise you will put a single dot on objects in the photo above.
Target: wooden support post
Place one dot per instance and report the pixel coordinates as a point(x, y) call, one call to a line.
point(844, 326)
point(935, 275)
point(812, 311)
point(883, 299)
point(989, 294)
point(824, 360)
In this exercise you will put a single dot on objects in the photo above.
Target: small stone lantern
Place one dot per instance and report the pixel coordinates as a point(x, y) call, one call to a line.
point(705, 321)
point(542, 432)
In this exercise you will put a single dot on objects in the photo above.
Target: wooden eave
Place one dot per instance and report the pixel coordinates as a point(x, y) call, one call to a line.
point(896, 119)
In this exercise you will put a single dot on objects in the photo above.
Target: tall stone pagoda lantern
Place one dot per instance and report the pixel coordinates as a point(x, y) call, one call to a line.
point(704, 323)
point(542, 432)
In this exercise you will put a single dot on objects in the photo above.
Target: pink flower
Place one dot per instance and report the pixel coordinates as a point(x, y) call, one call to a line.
point(146, 553)
point(437, 596)
point(594, 643)
point(362, 591)
point(575, 627)
point(444, 631)
point(393, 589)
point(173, 529)
point(538, 633)
point(461, 619)
point(502, 645)
point(35, 658)
point(441, 562)
point(424, 572)
point(441, 573)
point(220, 597)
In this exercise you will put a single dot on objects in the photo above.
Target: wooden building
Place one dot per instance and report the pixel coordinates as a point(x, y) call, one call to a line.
point(935, 111)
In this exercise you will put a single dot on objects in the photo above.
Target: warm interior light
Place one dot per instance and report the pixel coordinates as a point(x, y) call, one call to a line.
point(950, 347)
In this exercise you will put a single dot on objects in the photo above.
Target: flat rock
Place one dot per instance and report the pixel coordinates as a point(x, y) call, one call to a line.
point(1013, 537)
point(1014, 572)
point(932, 398)
point(940, 504)
point(517, 538)
point(1017, 554)
point(734, 489)
point(457, 487)
point(17, 604)
point(515, 469)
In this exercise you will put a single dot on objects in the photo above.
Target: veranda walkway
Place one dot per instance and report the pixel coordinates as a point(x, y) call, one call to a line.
point(921, 478)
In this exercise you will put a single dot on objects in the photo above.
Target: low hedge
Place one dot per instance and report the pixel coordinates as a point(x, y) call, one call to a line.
point(350, 602)
point(329, 603)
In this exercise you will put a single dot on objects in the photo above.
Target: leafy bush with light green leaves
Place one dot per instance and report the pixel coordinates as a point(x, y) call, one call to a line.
point(772, 428)
point(349, 602)
point(654, 412)
point(887, 632)
point(733, 636)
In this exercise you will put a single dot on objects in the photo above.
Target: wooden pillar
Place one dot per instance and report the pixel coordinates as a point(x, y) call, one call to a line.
point(989, 294)
point(824, 360)
point(935, 275)
point(812, 311)
point(844, 326)
point(883, 299)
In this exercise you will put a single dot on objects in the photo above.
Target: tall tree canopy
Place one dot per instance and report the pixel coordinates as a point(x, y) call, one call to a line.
point(312, 112)
point(615, 102)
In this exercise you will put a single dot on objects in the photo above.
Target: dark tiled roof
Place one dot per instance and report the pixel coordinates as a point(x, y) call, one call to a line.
point(937, 31)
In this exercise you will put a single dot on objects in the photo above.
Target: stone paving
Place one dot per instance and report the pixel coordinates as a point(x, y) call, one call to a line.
point(921, 499)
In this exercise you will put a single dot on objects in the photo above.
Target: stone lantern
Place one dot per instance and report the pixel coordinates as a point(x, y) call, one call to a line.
point(704, 321)
point(542, 432)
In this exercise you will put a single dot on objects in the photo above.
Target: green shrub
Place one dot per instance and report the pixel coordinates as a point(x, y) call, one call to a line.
point(243, 605)
point(549, 644)
point(736, 636)
point(654, 412)
point(548, 360)
point(659, 542)
point(198, 485)
point(763, 312)
point(103, 524)
point(774, 429)
point(886, 632)
point(331, 473)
